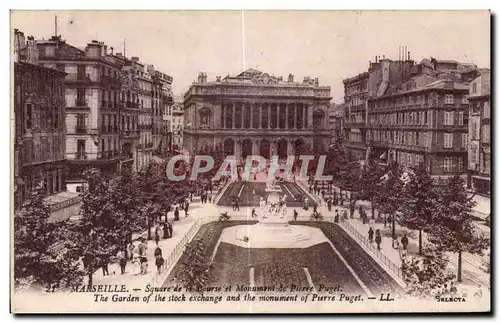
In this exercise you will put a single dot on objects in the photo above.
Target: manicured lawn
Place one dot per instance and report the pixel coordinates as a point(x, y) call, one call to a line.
point(282, 266)
point(232, 264)
point(244, 190)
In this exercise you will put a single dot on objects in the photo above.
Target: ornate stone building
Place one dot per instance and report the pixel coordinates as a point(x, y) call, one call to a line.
point(40, 133)
point(256, 113)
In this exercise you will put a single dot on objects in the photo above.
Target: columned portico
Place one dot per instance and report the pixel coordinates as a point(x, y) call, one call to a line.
point(256, 113)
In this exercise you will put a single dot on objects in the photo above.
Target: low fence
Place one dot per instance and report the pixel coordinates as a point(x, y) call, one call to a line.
point(395, 269)
point(370, 246)
point(176, 253)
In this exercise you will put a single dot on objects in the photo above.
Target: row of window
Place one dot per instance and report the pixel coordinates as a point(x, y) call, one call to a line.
point(35, 152)
point(53, 182)
point(418, 100)
point(355, 137)
point(408, 138)
point(481, 159)
point(485, 132)
point(416, 118)
point(449, 164)
point(45, 118)
point(409, 159)
point(110, 99)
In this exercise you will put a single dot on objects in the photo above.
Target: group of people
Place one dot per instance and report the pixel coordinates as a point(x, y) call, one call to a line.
point(204, 197)
point(183, 205)
point(335, 200)
point(340, 217)
point(378, 237)
point(236, 204)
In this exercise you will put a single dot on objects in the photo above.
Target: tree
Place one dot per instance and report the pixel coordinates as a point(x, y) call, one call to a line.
point(389, 196)
point(195, 269)
point(420, 201)
point(452, 229)
point(99, 232)
point(43, 254)
point(351, 181)
point(426, 277)
point(129, 219)
point(370, 180)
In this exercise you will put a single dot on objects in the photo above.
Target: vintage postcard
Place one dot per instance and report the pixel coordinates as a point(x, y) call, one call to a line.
point(250, 161)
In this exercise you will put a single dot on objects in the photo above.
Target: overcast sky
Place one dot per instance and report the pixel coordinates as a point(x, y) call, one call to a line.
point(330, 45)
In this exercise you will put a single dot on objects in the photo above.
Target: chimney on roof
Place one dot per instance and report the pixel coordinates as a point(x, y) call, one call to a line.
point(376, 59)
point(119, 54)
point(94, 41)
point(111, 50)
point(135, 58)
point(409, 55)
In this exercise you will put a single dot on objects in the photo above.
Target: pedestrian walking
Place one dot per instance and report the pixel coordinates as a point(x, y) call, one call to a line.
point(104, 265)
point(209, 199)
point(186, 210)
point(122, 260)
point(295, 215)
point(157, 235)
point(378, 238)
point(404, 242)
point(176, 214)
point(329, 203)
point(236, 205)
point(253, 212)
point(336, 219)
point(131, 248)
point(170, 230)
point(370, 234)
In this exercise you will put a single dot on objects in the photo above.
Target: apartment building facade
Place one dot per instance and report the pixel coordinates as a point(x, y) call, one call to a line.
point(424, 124)
point(386, 78)
point(40, 132)
point(479, 149)
point(177, 125)
point(162, 99)
point(92, 92)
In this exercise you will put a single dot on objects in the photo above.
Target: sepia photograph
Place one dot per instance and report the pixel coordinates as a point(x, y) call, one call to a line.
point(250, 161)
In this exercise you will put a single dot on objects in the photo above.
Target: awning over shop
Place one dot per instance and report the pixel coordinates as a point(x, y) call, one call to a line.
point(62, 199)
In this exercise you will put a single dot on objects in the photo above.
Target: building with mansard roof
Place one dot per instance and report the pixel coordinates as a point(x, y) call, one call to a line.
point(256, 113)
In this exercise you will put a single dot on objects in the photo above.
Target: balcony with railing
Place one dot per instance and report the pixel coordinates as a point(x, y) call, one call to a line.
point(111, 154)
point(130, 133)
point(80, 103)
point(81, 155)
point(78, 78)
point(80, 130)
point(108, 80)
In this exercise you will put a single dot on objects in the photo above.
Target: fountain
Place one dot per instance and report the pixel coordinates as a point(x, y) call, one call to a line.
point(273, 229)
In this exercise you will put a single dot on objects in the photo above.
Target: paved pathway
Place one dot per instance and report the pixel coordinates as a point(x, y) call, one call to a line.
point(472, 273)
point(132, 277)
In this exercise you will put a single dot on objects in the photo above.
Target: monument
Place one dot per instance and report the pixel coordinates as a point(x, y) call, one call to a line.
point(273, 229)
